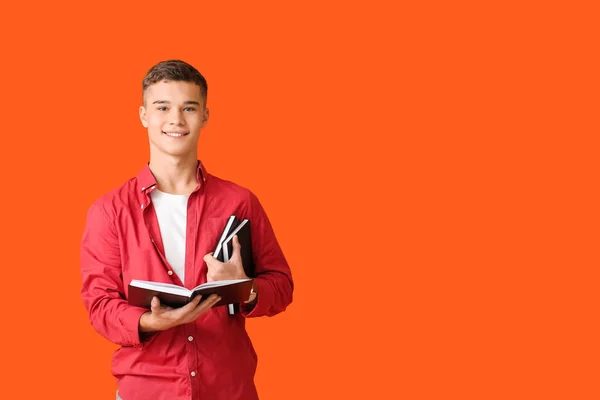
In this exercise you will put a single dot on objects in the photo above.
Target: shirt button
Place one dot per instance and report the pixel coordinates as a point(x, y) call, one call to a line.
point(170, 272)
point(193, 373)
point(190, 338)
point(142, 206)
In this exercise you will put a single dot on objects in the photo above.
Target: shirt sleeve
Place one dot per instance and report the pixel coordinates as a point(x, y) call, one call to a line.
point(102, 288)
point(273, 275)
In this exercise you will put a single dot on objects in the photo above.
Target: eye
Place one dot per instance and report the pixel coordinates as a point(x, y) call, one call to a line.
point(161, 108)
point(190, 109)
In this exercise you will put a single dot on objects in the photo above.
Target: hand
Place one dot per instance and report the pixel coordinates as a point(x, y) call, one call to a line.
point(232, 269)
point(161, 318)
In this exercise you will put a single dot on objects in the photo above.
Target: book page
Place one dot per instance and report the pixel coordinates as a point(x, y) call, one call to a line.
point(220, 283)
point(161, 287)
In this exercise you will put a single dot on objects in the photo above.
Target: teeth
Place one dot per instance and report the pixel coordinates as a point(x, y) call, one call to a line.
point(174, 134)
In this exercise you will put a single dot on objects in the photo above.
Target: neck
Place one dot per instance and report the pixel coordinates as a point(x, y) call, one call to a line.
point(175, 175)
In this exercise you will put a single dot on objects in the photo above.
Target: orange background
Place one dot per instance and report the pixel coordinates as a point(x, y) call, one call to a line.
point(430, 171)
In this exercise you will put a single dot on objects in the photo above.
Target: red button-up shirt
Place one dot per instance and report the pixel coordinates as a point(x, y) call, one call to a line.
point(210, 358)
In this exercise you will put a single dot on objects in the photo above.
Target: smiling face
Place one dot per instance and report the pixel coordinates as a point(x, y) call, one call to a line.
point(174, 113)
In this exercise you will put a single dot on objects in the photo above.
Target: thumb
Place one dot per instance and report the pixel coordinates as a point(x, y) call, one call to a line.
point(155, 305)
point(237, 247)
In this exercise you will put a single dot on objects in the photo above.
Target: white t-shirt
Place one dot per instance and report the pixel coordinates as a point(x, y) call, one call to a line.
point(171, 212)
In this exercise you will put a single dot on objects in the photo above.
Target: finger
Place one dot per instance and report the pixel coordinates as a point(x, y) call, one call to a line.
point(209, 299)
point(205, 305)
point(213, 302)
point(209, 258)
point(189, 307)
point(198, 310)
point(195, 301)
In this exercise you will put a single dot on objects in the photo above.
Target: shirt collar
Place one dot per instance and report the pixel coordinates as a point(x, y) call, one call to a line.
point(146, 180)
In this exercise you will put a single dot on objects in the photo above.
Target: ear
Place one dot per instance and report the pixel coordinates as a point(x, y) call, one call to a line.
point(205, 116)
point(143, 117)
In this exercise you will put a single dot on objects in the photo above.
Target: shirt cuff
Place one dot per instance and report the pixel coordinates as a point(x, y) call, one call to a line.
point(264, 299)
point(130, 319)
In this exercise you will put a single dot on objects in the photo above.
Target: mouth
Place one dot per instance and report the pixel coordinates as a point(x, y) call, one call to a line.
point(176, 134)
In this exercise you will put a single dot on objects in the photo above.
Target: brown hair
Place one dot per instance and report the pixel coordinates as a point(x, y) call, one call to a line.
point(175, 70)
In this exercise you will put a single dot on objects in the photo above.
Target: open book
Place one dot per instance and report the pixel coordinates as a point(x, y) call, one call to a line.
point(231, 292)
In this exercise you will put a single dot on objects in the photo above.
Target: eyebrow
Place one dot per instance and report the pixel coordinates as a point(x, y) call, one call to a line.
point(168, 102)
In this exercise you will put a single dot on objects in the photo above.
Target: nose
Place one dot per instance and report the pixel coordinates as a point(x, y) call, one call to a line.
point(175, 117)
